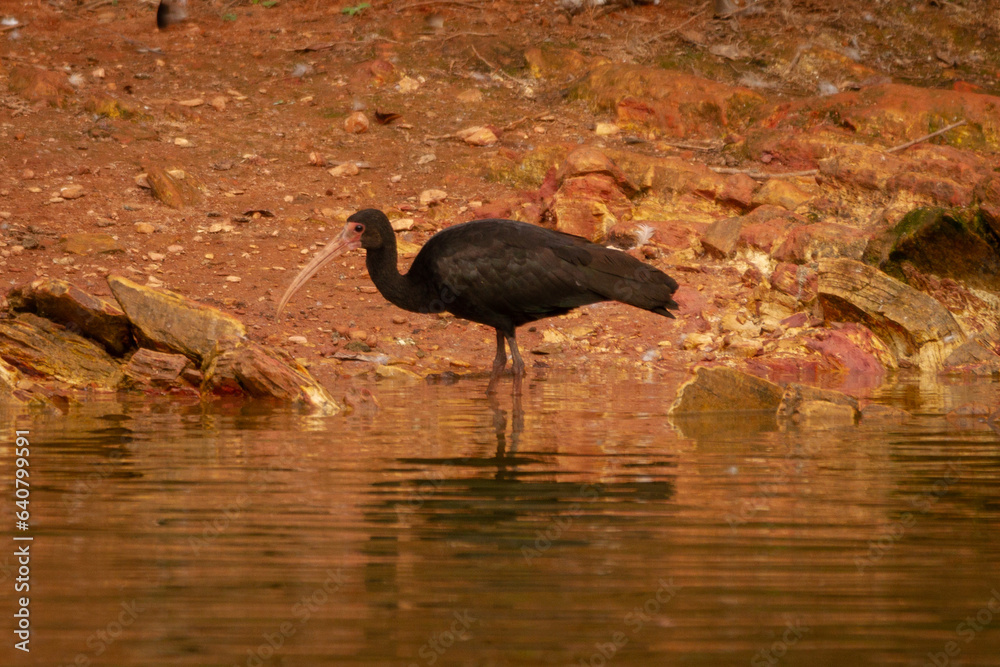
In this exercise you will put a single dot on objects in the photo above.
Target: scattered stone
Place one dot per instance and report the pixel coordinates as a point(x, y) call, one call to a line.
point(74, 191)
point(477, 136)
point(173, 186)
point(182, 142)
point(86, 243)
point(471, 96)
point(345, 169)
point(196, 102)
point(407, 85)
point(41, 348)
point(356, 123)
point(260, 372)
point(428, 197)
point(725, 390)
point(155, 369)
point(911, 323)
point(168, 322)
point(383, 371)
point(402, 224)
point(606, 129)
point(219, 102)
point(144, 228)
point(78, 311)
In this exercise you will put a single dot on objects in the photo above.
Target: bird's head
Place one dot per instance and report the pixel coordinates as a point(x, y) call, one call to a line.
point(365, 229)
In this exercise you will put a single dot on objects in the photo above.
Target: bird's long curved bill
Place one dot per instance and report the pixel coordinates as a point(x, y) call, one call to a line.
point(338, 246)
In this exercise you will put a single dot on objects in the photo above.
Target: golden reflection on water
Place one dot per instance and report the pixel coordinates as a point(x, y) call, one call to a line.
point(583, 526)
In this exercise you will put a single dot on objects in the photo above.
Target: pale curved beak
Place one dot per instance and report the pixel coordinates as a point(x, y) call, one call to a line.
point(348, 240)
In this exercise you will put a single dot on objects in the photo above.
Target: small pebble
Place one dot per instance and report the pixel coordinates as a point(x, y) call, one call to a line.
point(356, 123)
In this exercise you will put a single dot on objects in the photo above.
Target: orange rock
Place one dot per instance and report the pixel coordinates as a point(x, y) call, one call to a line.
point(39, 85)
point(677, 104)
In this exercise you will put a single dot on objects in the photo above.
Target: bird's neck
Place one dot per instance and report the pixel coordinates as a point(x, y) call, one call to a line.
point(399, 289)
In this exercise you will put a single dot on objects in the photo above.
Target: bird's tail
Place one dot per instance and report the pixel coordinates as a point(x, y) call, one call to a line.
point(640, 285)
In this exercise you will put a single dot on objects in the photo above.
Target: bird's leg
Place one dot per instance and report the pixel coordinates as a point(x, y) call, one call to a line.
point(499, 363)
point(518, 364)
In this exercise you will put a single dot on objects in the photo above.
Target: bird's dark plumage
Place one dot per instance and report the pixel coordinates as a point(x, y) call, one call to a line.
point(500, 273)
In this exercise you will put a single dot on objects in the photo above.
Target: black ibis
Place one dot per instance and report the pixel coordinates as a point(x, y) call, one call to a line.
point(500, 273)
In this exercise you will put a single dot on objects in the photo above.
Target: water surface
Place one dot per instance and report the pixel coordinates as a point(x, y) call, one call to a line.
point(584, 528)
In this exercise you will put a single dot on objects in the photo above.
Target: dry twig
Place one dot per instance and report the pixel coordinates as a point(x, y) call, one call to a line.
point(499, 71)
point(763, 176)
point(678, 27)
point(426, 3)
point(918, 140)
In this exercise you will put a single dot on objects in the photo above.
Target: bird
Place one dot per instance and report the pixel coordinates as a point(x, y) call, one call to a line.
point(500, 273)
point(169, 12)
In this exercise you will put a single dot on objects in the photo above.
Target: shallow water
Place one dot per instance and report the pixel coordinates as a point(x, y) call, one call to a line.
point(585, 528)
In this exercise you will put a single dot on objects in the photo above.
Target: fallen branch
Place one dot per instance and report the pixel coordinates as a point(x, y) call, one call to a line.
point(510, 126)
point(499, 71)
point(673, 144)
point(902, 147)
point(426, 3)
point(763, 176)
point(677, 27)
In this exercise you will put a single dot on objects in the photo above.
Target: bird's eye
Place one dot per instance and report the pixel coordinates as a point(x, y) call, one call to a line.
point(359, 228)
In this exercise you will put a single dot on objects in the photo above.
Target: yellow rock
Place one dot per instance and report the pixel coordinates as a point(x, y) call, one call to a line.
point(169, 322)
point(725, 390)
point(396, 372)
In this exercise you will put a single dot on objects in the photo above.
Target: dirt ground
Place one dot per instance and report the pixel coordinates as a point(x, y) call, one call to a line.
point(250, 99)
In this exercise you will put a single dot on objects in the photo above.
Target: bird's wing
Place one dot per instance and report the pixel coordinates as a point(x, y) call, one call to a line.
point(515, 267)
point(512, 270)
